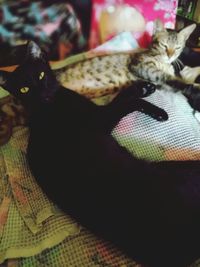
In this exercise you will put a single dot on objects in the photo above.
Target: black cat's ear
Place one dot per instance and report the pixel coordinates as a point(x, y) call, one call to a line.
point(33, 50)
point(4, 75)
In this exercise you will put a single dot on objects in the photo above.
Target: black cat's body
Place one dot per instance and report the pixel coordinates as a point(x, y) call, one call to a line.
point(149, 210)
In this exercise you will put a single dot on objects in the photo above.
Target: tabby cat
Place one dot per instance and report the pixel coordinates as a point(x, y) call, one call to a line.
point(151, 210)
point(103, 75)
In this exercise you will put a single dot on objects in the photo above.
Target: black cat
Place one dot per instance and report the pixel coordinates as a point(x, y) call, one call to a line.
point(151, 210)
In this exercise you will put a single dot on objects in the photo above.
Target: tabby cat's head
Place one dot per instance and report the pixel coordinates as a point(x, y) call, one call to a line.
point(170, 43)
point(32, 81)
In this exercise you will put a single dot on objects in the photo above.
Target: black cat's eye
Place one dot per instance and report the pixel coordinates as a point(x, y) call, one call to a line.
point(24, 90)
point(41, 76)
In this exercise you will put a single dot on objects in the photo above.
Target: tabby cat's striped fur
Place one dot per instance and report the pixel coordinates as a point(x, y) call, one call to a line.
point(103, 75)
point(98, 76)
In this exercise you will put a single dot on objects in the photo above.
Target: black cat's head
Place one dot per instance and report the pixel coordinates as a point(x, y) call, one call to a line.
point(33, 81)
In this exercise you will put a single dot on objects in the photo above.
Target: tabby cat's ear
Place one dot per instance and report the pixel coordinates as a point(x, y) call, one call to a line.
point(185, 33)
point(158, 26)
point(4, 75)
point(33, 50)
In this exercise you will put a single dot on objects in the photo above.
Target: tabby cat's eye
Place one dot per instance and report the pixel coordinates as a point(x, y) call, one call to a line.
point(163, 45)
point(24, 90)
point(41, 76)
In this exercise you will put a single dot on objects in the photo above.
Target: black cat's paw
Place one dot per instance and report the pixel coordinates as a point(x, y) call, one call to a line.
point(192, 92)
point(148, 89)
point(139, 89)
point(144, 89)
point(160, 115)
point(195, 102)
point(155, 112)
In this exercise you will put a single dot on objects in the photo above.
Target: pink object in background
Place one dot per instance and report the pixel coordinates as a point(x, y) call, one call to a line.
point(110, 17)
